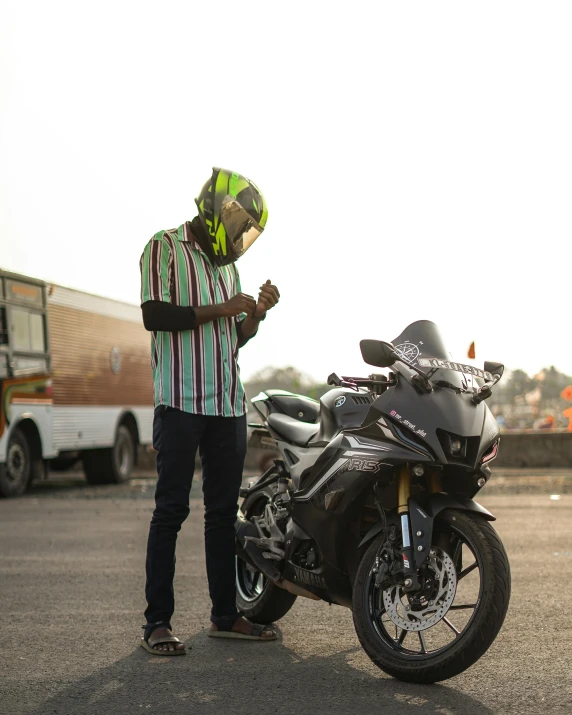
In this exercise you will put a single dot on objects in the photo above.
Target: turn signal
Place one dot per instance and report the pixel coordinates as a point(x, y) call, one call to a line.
point(491, 454)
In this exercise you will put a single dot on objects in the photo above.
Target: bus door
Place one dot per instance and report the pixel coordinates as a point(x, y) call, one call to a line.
point(25, 386)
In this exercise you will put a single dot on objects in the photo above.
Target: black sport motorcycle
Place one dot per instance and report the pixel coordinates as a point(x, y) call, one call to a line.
point(371, 507)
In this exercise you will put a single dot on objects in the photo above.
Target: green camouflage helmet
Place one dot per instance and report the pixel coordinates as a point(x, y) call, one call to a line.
point(233, 212)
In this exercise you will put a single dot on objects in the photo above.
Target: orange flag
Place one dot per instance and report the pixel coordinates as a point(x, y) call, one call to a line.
point(471, 352)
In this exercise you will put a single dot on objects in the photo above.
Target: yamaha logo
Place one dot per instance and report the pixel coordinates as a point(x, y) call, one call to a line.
point(340, 401)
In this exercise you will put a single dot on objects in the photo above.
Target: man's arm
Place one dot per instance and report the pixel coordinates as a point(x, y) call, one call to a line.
point(159, 313)
point(161, 316)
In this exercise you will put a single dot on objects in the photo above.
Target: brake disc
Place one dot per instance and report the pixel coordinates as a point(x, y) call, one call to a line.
point(419, 617)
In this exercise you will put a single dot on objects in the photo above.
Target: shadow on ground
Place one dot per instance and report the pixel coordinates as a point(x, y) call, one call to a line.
point(237, 677)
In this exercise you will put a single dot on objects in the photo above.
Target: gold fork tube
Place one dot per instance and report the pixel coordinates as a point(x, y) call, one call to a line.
point(403, 490)
point(435, 482)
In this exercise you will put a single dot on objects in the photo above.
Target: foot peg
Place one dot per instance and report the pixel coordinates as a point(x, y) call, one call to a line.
point(269, 547)
point(246, 534)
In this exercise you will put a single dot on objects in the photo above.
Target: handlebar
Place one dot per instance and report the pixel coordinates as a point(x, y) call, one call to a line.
point(379, 383)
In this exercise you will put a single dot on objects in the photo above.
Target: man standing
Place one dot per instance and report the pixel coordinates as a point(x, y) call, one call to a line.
point(199, 318)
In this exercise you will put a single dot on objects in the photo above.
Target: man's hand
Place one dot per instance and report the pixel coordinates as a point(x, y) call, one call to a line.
point(267, 299)
point(239, 303)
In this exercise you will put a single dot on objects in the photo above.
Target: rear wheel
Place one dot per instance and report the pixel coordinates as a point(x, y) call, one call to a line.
point(442, 630)
point(16, 473)
point(111, 466)
point(257, 598)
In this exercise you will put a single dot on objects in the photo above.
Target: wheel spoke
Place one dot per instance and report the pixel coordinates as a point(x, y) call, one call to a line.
point(402, 637)
point(465, 605)
point(422, 641)
point(467, 571)
point(457, 551)
point(451, 626)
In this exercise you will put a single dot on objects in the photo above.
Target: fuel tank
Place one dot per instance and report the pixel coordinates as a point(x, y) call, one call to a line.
point(341, 408)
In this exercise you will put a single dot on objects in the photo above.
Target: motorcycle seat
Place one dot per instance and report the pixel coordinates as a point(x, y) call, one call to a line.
point(301, 408)
point(291, 429)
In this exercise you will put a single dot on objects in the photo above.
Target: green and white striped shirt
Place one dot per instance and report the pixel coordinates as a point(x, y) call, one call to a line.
point(193, 370)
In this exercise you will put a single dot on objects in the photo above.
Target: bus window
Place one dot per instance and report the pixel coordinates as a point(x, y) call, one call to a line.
point(37, 338)
point(28, 331)
point(29, 365)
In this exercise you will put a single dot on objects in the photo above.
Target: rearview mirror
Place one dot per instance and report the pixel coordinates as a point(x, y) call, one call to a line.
point(495, 368)
point(378, 353)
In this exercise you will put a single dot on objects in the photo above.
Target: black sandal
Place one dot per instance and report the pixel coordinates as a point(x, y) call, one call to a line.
point(149, 643)
point(255, 634)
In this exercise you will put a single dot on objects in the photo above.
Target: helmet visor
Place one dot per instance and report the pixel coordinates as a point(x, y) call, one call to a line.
point(241, 228)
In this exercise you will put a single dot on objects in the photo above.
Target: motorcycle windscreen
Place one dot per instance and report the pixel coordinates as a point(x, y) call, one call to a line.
point(422, 341)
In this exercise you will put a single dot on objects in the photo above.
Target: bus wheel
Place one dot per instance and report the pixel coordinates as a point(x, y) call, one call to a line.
point(16, 472)
point(111, 466)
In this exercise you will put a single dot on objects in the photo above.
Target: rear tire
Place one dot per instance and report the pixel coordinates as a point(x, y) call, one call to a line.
point(111, 466)
point(16, 473)
point(272, 604)
point(257, 598)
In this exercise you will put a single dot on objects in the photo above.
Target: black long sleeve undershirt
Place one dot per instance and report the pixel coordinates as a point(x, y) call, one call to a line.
point(158, 315)
point(166, 317)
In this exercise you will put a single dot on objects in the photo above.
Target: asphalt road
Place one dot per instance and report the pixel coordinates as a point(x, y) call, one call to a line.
point(71, 594)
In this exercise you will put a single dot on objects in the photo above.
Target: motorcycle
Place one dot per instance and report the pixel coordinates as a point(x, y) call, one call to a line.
point(370, 506)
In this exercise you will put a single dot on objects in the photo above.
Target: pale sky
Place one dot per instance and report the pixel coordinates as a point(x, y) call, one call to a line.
point(416, 160)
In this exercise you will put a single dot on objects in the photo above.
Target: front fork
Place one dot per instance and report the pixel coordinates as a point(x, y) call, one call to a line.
point(410, 582)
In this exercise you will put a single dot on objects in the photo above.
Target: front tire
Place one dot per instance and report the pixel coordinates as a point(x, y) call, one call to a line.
point(16, 472)
point(416, 651)
point(257, 598)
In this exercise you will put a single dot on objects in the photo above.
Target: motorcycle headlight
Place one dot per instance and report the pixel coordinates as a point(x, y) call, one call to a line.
point(456, 446)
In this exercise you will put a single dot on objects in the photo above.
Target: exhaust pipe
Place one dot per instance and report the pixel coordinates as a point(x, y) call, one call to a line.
point(297, 590)
point(250, 553)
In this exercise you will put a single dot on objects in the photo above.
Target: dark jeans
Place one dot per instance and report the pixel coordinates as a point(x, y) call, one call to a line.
point(222, 447)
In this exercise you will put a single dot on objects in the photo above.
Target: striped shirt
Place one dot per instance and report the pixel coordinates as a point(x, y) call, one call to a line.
point(193, 370)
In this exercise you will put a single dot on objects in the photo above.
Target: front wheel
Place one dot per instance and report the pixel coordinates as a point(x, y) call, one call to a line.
point(16, 473)
point(442, 630)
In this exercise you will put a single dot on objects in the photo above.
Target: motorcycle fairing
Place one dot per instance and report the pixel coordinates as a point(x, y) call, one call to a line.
point(423, 418)
point(349, 467)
